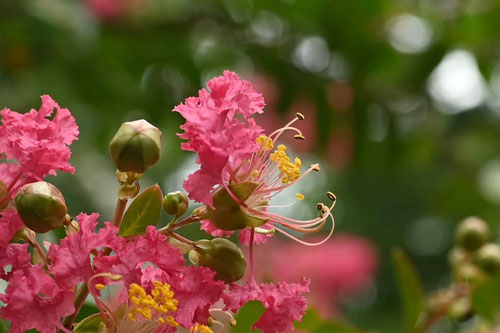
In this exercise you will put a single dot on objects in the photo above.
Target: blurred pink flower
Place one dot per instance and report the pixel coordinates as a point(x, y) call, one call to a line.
point(342, 266)
point(110, 9)
point(10, 223)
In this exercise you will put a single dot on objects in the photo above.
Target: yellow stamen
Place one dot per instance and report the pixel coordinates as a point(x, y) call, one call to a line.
point(99, 286)
point(256, 173)
point(300, 196)
point(291, 171)
point(201, 329)
point(265, 142)
point(160, 301)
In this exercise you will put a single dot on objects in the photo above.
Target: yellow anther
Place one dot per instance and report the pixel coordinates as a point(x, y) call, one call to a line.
point(315, 167)
point(331, 196)
point(300, 196)
point(297, 162)
point(201, 329)
point(300, 116)
point(282, 148)
point(99, 286)
point(158, 303)
point(256, 173)
point(299, 137)
point(265, 142)
point(171, 321)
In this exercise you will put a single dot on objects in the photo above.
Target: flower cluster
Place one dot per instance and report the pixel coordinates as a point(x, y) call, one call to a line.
point(142, 266)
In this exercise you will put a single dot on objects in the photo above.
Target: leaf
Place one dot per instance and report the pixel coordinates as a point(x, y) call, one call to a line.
point(486, 300)
point(145, 210)
point(247, 316)
point(410, 289)
point(90, 324)
point(3, 329)
point(310, 321)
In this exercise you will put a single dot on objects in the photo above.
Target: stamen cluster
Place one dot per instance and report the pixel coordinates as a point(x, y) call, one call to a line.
point(158, 303)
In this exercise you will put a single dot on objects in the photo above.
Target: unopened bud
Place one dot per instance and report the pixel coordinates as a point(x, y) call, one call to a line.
point(222, 256)
point(41, 206)
point(136, 146)
point(460, 309)
point(472, 233)
point(488, 258)
point(457, 256)
point(176, 203)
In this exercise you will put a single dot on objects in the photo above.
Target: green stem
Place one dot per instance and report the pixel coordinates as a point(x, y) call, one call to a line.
point(84, 290)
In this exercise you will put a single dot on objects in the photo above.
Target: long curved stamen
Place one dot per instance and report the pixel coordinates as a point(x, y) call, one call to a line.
point(100, 305)
point(307, 243)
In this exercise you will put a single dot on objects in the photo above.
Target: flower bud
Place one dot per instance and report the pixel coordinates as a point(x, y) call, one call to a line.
point(176, 203)
point(488, 258)
point(3, 194)
point(460, 309)
point(222, 256)
point(136, 146)
point(457, 256)
point(472, 233)
point(41, 206)
point(228, 214)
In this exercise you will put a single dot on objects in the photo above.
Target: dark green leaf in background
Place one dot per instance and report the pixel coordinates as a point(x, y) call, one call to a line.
point(410, 289)
point(486, 301)
point(145, 210)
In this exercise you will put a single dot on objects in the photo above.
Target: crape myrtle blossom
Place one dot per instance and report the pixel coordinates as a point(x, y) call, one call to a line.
point(240, 169)
point(34, 145)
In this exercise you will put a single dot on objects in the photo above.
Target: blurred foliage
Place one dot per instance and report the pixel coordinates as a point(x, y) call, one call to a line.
point(411, 151)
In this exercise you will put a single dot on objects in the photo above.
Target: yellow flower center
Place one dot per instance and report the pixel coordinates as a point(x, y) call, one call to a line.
point(158, 303)
point(290, 171)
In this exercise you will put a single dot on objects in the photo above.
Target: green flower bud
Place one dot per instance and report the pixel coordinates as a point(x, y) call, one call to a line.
point(176, 203)
point(488, 258)
point(222, 256)
point(457, 256)
point(460, 309)
point(472, 233)
point(228, 214)
point(41, 206)
point(136, 146)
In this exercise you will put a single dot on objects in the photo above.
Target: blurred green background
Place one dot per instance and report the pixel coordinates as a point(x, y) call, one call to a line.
point(402, 100)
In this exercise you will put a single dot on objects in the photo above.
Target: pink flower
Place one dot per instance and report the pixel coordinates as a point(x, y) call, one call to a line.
point(34, 300)
point(153, 247)
point(71, 263)
point(235, 156)
point(196, 290)
point(17, 256)
point(284, 303)
point(213, 131)
point(343, 266)
point(39, 144)
point(10, 223)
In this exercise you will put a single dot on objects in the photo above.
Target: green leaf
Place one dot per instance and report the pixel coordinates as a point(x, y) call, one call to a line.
point(337, 327)
point(247, 316)
point(90, 324)
point(486, 300)
point(410, 289)
point(310, 321)
point(3, 328)
point(145, 210)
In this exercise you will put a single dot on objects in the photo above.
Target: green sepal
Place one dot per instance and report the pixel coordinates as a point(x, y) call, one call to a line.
point(228, 214)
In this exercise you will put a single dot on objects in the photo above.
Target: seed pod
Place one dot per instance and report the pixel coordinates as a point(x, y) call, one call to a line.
point(41, 206)
point(136, 146)
point(222, 256)
point(472, 233)
point(176, 203)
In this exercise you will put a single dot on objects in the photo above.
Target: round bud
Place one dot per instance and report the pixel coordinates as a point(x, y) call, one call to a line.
point(472, 233)
point(460, 309)
point(41, 206)
point(222, 256)
point(136, 146)
point(457, 256)
point(176, 203)
point(488, 258)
